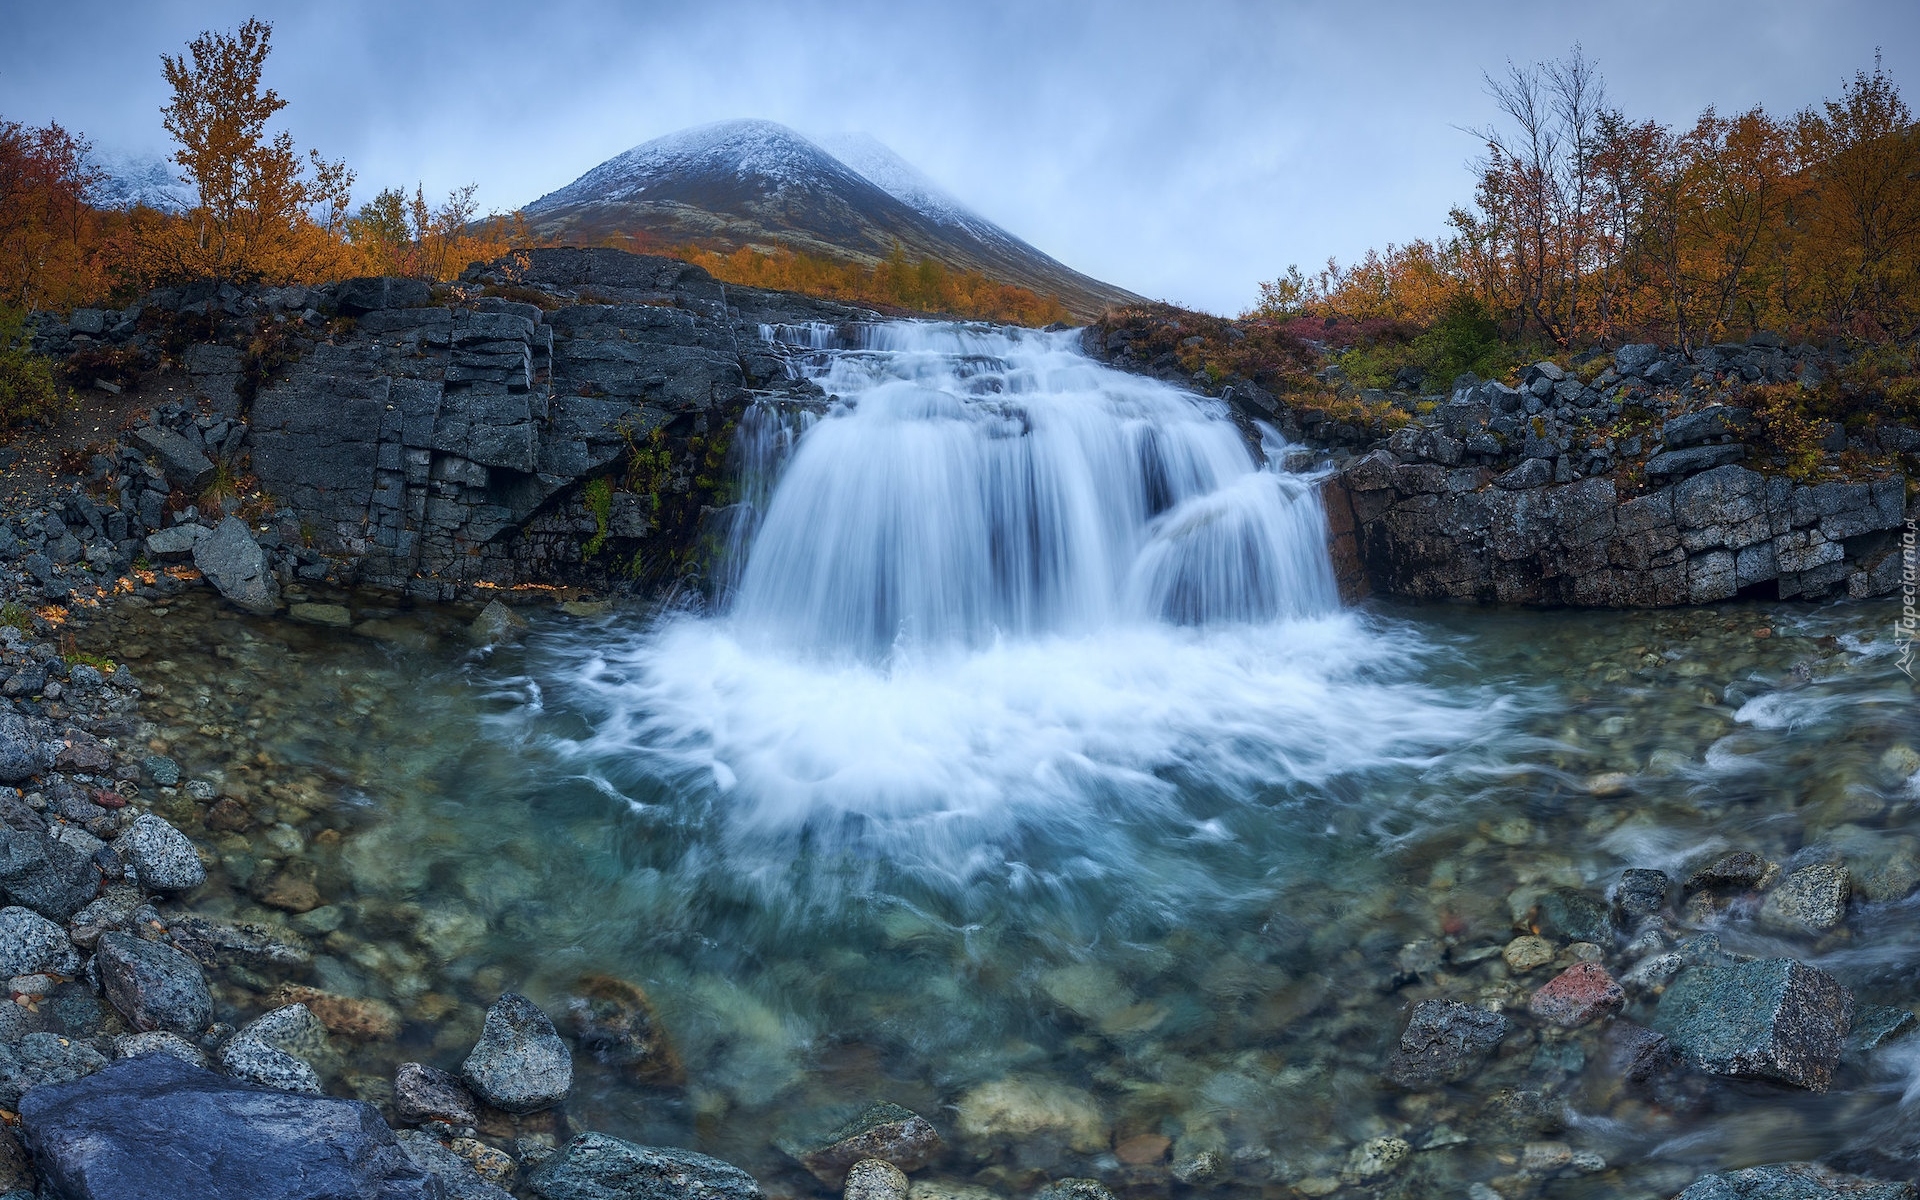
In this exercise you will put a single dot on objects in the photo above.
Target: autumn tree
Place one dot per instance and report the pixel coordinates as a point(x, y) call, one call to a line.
point(404, 235)
point(1856, 225)
point(47, 228)
point(262, 213)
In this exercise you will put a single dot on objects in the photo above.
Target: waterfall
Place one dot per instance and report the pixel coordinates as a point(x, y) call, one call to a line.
point(970, 483)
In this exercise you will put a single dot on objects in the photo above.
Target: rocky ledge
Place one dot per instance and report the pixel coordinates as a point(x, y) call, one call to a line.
point(562, 416)
point(1642, 478)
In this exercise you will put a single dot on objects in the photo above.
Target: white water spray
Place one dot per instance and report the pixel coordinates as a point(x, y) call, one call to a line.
point(970, 484)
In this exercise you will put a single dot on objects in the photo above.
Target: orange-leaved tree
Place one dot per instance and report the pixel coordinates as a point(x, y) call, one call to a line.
point(48, 233)
point(403, 235)
point(262, 214)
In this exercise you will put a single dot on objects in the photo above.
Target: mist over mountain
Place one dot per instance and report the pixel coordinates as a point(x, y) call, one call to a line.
point(760, 184)
point(133, 179)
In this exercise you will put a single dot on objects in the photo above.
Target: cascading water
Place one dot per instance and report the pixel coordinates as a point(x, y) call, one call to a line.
point(970, 484)
point(986, 590)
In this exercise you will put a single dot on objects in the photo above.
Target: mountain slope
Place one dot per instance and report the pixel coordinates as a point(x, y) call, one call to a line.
point(760, 184)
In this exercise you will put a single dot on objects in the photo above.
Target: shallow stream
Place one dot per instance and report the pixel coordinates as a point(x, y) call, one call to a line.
point(1093, 864)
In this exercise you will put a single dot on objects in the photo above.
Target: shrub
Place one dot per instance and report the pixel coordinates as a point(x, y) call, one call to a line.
point(27, 388)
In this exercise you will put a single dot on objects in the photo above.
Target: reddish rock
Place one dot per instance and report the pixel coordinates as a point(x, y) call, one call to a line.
point(1143, 1149)
point(1578, 995)
point(228, 816)
point(106, 799)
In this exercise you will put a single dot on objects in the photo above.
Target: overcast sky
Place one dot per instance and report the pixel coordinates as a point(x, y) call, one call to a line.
point(1183, 149)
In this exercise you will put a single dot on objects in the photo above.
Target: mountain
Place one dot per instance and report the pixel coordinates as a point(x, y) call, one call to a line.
point(760, 184)
point(133, 179)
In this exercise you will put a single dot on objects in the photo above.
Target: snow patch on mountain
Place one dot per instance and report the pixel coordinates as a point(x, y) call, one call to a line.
point(897, 177)
point(756, 150)
point(133, 179)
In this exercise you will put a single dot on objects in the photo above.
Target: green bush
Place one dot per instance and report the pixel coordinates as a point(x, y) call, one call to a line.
point(1465, 338)
point(27, 388)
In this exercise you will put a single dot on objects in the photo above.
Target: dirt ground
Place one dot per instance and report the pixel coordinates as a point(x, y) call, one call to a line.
point(95, 418)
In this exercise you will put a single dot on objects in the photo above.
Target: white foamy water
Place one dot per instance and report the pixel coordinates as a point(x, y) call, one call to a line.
point(995, 587)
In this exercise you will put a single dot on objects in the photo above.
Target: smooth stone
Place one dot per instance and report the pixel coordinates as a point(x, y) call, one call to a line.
point(519, 1065)
point(1074, 1189)
point(1014, 1109)
point(594, 1166)
point(334, 616)
point(161, 855)
point(455, 1173)
point(616, 1023)
point(1812, 899)
point(1741, 869)
point(135, 1045)
point(1528, 953)
point(1572, 915)
point(154, 1126)
point(39, 1059)
point(1582, 993)
point(875, 1179)
point(1793, 1181)
point(1641, 893)
point(884, 1131)
point(30, 944)
point(153, 985)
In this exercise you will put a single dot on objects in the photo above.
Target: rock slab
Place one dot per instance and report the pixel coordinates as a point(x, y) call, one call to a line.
point(155, 1126)
point(1772, 1018)
point(594, 1166)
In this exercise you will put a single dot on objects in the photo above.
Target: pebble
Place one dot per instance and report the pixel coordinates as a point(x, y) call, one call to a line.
point(1528, 953)
point(519, 1065)
point(161, 855)
point(875, 1179)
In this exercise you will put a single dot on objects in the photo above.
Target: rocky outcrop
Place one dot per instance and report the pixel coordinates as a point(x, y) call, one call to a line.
point(1425, 531)
point(1637, 480)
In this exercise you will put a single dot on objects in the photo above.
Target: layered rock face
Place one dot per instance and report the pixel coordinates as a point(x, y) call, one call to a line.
point(1430, 532)
point(1643, 486)
point(431, 442)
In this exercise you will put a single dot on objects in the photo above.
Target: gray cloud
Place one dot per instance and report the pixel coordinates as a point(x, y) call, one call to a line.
point(1182, 150)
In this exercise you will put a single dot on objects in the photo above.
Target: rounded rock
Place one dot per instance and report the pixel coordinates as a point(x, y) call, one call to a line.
point(1528, 953)
point(519, 1065)
point(161, 855)
point(875, 1179)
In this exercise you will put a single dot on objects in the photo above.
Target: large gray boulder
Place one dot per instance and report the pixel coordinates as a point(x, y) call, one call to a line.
point(38, 871)
point(520, 1065)
point(155, 1126)
point(594, 1166)
point(1771, 1018)
point(153, 985)
point(234, 563)
point(23, 753)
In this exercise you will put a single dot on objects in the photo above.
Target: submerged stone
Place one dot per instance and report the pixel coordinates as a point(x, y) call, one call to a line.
point(1572, 915)
point(884, 1131)
point(616, 1023)
point(1641, 893)
point(1772, 1018)
point(1793, 1181)
point(594, 1166)
point(1740, 869)
point(1577, 995)
point(1444, 1042)
point(1812, 899)
point(154, 1126)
